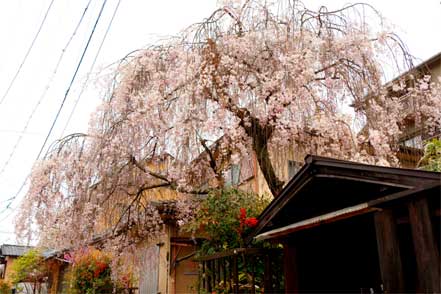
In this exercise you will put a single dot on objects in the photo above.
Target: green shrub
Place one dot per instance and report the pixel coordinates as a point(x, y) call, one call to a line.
point(90, 273)
point(29, 267)
point(431, 159)
point(5, 287)
point(224, 218)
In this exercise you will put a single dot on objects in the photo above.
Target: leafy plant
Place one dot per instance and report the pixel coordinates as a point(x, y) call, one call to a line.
point(90, 272)
point(28, 267)
point(5, 287)
point(224, 217)
point(431, 159)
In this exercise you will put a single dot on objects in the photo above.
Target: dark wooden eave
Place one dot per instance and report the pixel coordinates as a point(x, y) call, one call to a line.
point(398, 183)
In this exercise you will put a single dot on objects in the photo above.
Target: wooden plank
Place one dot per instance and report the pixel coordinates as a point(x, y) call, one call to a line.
point(149, 273)
point(224, 271)
point(290, 268)
point(200, 277)
point(230, 274)
point(253, 273)
point(426, 251)
point(268, 275)
point(204, 275)
point(244, 267)
point(389, 252)
point(214, 273)
point(218, 271)
point(317, 221)
point(209, 276)
point(235, 275)
point(231, 252)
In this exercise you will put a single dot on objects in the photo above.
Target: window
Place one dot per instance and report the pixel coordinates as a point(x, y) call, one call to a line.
point(413, 142)
point(235, 174)
point(2, 270)
point(232, 175)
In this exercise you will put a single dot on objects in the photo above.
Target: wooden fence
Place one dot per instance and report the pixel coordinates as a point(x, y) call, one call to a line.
point(242, 270)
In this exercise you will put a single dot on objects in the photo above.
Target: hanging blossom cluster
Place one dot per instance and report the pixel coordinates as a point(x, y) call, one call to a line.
point(252, 78)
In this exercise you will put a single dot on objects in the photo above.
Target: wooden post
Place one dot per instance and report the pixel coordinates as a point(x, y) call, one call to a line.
point(389, 252)
point(209, 276)
point(204, 275)
point(224, 271)
point(268, 274)
point(426, 251)
point(213, 273)
point(230, 274)
point(235, 274)
point(253, 272)
point(218, 270)
point(290, 268)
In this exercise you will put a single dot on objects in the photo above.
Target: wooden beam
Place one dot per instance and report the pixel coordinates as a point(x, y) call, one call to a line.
point(267, 275)
point(426, 251)
point(389, 252)
point(235, 275)
point(290, 268)
point(316, 221)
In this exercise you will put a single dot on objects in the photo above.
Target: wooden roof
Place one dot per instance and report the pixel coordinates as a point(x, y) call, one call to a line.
point(326, 190)
point(14, 250)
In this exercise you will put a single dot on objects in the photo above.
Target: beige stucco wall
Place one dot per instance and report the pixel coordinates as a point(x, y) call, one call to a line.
point(435, 68)
point(279, 159)
point(9, 262)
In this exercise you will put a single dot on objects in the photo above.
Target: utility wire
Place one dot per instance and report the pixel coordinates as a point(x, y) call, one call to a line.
point(62, 103)
point(43, 95)
point(72, 81)
point(11, 131)
point(91, 68)
point(27, 53)
point(9, 214)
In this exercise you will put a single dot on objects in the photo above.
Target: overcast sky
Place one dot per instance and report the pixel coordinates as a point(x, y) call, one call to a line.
point(136, 24)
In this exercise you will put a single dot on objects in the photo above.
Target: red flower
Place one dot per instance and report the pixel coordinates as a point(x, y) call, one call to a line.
point(100, 267)
point(243, 213)
point(251, 222)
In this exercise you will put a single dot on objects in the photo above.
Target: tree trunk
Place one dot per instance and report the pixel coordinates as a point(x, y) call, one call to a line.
point(260, 136)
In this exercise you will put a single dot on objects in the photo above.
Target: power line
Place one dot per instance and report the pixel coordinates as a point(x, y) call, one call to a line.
point(91, 68)
point(8, 215)
point(72, 80)
point(27, 53)
point(62, 102)
point(20, 132)
point(43, 95)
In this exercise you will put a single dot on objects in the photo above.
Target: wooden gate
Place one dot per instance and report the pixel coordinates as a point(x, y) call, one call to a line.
point(148, 283)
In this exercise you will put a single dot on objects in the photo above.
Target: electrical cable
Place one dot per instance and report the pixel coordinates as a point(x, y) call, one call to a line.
point(43, 95)
point(72, 81)
point(62, 102)
point(91, 68)
point(8, 215)
point(27, 53)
